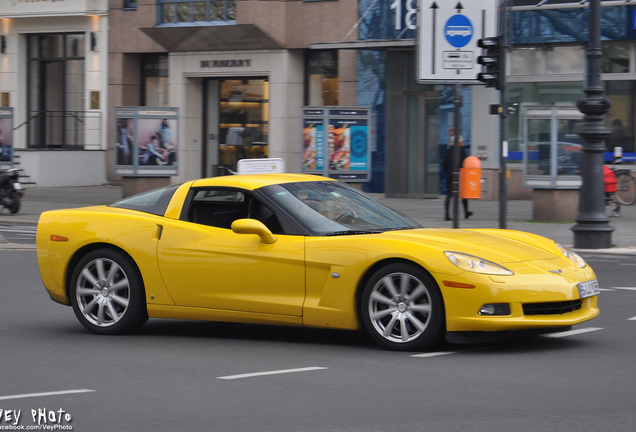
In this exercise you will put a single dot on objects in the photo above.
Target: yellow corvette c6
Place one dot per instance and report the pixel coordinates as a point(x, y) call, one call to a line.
point(303, 250)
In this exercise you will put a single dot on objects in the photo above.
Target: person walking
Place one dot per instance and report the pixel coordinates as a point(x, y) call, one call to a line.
point(447, 164)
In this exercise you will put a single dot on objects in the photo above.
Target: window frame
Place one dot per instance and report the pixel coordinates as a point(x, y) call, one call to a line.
point(191, 22)
point(130, 5)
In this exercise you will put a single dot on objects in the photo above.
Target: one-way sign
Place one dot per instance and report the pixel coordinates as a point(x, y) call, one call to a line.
point(447, 34)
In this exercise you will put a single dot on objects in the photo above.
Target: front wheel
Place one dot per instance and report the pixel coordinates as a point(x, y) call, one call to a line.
point(625, 188)
point(402, 308)
point(107, 293)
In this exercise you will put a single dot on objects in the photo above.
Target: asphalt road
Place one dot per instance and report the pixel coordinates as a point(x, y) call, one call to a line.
point(197, 376)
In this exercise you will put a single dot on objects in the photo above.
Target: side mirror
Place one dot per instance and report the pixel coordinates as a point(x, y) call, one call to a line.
point(253, 226)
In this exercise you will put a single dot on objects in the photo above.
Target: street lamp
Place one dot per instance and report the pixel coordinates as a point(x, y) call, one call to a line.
point(592, 229)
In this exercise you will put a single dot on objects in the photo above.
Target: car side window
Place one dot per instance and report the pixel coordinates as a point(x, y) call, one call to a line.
point(220, 207)
point(217, 207)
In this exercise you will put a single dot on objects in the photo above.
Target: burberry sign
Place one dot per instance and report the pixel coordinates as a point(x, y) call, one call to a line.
point(226, 63)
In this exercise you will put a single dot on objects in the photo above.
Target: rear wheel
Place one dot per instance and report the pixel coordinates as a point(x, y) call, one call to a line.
point(107, 293)
point(402, 308)
point(15, 202)
point(625, 188)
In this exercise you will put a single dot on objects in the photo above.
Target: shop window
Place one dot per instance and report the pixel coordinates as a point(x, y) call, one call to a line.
point(322, 78)
point(243, 120)
point(620, 117)
point(569, 59)
point(201, 11)
point(616, 58)
point(156, 77)
point(525, 61)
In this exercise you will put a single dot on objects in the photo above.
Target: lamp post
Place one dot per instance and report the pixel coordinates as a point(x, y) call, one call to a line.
point(592, 229)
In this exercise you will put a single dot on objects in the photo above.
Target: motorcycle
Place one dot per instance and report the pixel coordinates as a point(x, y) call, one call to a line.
point(11, 190)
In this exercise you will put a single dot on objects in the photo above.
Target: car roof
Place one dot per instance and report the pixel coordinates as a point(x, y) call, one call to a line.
point(255, 181)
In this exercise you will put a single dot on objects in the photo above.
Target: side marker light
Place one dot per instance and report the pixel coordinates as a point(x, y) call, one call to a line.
point(457, 285)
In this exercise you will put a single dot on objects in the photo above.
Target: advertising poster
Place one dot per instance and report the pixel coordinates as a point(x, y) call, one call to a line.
point(156, 139)
point(6, 137)
point(313, 159)
point(336, 142)
point(125, 134)
point(348, 148)
point(146, 141)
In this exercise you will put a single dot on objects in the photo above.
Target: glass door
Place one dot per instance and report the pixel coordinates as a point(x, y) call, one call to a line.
point(236, 123)
point(422, 147)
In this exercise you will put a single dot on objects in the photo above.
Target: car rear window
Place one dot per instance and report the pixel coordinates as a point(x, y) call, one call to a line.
point(155, 201)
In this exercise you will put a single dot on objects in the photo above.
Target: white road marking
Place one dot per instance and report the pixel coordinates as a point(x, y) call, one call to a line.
point(435, 354)
point(277, 372)
point(631, 319)
point(19, 231)
point(625, 288)
point(32, 395)
point(441, 353)
point(572, 332)
point(606, 289)
point(16, 228)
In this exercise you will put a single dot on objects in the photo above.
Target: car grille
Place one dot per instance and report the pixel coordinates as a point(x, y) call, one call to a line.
point(551, 308)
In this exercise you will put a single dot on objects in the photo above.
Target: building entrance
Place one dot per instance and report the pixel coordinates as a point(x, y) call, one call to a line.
point(236, 122)
point(412, 132)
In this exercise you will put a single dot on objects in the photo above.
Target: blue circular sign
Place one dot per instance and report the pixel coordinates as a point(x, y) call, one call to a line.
point(358, 144)
point(458, 31)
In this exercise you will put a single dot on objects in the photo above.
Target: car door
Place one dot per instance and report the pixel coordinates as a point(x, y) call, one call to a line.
point(212, 267)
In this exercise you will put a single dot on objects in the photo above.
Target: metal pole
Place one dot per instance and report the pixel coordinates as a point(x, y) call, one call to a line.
point(456, 155)
point(592, 230)
point(503, 170)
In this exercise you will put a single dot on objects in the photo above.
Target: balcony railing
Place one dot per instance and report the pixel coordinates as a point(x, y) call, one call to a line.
point(76, 130)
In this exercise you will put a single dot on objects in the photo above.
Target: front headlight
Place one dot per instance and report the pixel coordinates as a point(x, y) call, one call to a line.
point(476, 265)
point(573, 256)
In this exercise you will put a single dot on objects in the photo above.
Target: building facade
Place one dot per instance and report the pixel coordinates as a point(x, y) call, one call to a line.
point(53, 81)
point(150, 92)
point(237, 72)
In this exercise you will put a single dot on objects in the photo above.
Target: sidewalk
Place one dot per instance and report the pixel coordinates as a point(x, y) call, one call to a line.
point(427, 212)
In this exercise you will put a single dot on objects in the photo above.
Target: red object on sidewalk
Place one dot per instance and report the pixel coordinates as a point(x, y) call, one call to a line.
point(609, 178)
point(470, 178)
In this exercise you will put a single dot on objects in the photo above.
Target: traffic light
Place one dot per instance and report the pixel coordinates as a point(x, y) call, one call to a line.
point(492, 75)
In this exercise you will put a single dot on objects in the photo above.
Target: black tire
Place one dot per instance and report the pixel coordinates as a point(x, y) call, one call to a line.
point(107, 293)
point(15, 205)
point(402, 308)
point(626, 188)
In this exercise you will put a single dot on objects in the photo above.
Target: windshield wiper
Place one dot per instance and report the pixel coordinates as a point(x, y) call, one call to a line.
point(351, 232)
point(403, 228)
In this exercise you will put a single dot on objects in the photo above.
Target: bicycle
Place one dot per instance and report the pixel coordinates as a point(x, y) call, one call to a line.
point(626, 185)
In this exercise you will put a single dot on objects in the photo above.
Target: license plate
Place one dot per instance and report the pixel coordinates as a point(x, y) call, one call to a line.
point(17, 186)
point(589, 289)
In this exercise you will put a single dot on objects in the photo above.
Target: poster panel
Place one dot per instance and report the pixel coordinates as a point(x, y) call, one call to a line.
point(6, 138)
point(336, 142)
point(348, 144)
point(313, 141)
point(146, 141)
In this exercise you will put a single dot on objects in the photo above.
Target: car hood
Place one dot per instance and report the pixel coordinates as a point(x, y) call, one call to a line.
point(500, 246)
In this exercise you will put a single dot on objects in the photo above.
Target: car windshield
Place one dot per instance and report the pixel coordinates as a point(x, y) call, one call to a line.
point(333, 208)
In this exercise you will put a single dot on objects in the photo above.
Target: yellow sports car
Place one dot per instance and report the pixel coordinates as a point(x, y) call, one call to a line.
point(303, 250)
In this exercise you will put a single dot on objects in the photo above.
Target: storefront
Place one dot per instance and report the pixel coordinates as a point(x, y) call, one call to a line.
point(238, 93)
point(54, 76)
point(546, 66)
